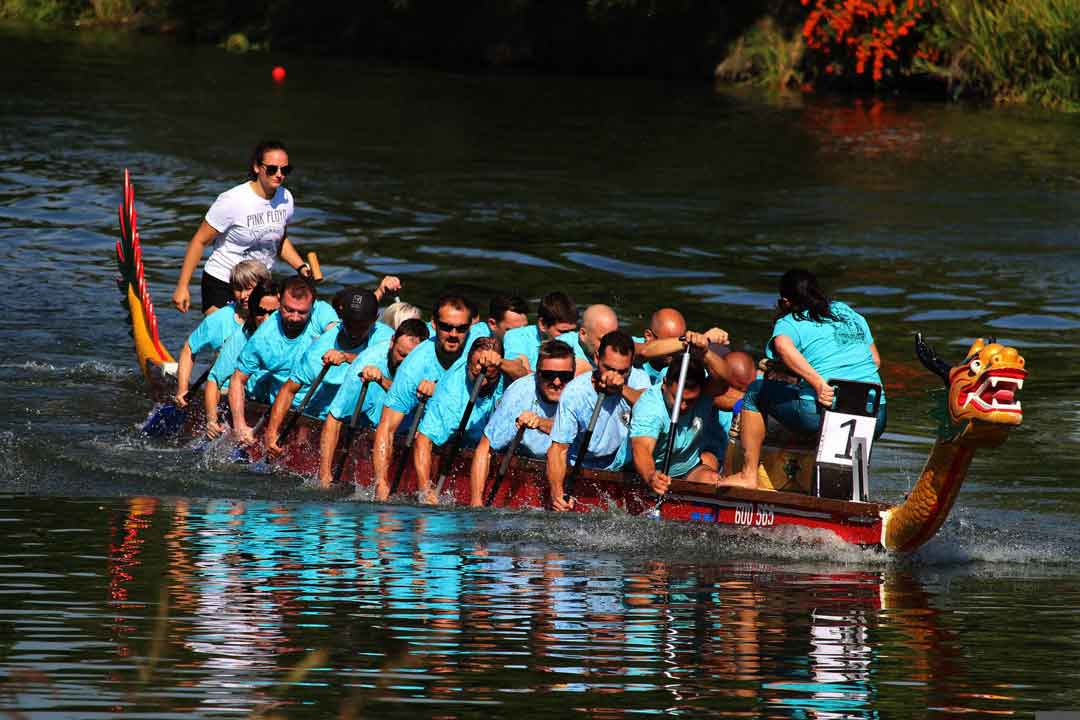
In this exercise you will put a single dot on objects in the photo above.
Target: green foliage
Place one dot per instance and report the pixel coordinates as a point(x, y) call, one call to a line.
point(1013, 50)
point(765, 55)
point(42, 11)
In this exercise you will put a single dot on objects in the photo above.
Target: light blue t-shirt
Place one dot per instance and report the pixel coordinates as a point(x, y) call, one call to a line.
point(524, 342)
point(696, 428)
point(378, 355)
point(421, 364)
point(307, 369)
point(521, 396)
point(835, 349)
point(573, 339)
point(447, 405)
point(609, 447)
point(272, 356)
point(214, 330)
point(655, 375)
point(322, 314)
point(222, 369)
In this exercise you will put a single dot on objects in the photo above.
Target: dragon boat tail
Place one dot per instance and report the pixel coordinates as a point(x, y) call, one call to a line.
point(977, 409)
point(154, 360)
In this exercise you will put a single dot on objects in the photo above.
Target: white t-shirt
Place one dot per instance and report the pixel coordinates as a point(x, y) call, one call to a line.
point(249, 228)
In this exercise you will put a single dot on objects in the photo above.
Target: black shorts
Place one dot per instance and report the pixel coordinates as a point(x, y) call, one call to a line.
point(215, 293)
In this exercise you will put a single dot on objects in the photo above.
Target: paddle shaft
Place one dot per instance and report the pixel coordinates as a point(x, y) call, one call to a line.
point(583, 446)
point(194, 387)
point(505, 465)
point(449, 458)
point(676, 406)
point(350, 432)
point(408, 445)
point(291, 422)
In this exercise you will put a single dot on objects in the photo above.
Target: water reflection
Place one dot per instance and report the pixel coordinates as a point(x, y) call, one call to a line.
point(227, 607)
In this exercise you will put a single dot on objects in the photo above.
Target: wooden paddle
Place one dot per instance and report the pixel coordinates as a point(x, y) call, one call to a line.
point(583, 446)
point(449, 457)
point(291, 422)
point(500, 474)
point(350, 433)
point(408, 445)
point(313, 263)
point(676, 406)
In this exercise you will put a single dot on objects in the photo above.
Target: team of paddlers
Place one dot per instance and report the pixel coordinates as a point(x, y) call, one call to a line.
point(558, 388)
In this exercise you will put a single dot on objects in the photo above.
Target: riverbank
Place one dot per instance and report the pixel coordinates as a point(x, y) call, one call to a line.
point(1006, 51)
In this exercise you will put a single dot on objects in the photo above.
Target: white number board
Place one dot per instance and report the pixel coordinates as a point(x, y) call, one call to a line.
point(837, 432)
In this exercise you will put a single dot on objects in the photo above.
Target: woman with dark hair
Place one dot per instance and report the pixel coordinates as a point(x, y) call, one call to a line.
point(247, 222)
point(261, 304)
point(816, 339)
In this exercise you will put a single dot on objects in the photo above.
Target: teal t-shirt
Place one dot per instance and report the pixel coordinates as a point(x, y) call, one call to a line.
point(523, 342)
point(837, 349)
point(573, 339)
point(378, 355)
point(447, 406)
point(421, 364)
point(322, 314)
point(694, 432)
point(309, 366)
point(655, 375)
point(271, 355)
point(222, 369)
point(214, 330)
point(521, 396)
point(609, 447)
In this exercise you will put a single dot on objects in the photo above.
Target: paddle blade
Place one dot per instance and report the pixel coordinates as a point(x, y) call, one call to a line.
point(164, 420)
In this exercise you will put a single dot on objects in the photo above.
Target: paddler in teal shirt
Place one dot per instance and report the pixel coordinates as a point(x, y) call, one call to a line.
point(417, 376)
point(597, 322)
point(447, 406)
point(556, 315)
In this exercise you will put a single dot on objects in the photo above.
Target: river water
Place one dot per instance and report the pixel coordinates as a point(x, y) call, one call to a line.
point(141, 580)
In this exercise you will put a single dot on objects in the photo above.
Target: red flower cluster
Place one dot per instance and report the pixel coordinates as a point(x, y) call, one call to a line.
point(869, 33)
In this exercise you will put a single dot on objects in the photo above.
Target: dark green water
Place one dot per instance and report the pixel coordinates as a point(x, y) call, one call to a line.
point(144, 581)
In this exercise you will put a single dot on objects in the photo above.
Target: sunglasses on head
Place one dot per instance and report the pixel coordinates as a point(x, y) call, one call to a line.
point(272, 170)
point(552, 375)
point(447, 327)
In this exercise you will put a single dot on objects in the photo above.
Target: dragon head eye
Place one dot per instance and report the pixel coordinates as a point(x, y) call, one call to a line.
point(975, 366)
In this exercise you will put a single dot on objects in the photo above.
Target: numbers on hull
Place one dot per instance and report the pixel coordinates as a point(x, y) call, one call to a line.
point(755, 514)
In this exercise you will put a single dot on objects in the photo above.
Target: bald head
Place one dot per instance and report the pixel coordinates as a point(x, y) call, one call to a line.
point(667, 323)
point(741, 369)
point(597, 322)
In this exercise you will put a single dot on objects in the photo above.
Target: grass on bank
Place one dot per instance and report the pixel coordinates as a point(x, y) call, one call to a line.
point(1013, 50)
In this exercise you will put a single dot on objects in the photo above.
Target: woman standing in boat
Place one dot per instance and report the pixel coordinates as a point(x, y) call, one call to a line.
point(816, 339)
point(247, 222)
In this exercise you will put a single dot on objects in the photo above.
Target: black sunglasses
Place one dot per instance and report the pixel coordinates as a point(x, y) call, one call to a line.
point(447, 327)
point(552, 375)
point(260, 311)
point(272, 170)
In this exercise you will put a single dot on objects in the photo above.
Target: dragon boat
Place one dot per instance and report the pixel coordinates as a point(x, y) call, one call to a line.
point(979, 410)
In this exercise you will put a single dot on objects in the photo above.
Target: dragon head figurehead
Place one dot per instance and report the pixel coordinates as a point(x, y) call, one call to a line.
point(982, 390)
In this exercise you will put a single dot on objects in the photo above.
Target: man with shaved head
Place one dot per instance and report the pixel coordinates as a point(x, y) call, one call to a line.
point(661, 342)
point(596, 322)
point(666, 323)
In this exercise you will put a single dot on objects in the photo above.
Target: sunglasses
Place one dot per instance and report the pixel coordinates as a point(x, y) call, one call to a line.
point(448, 328)
point(261, 311)
point(552, 375)
point(272, 170)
